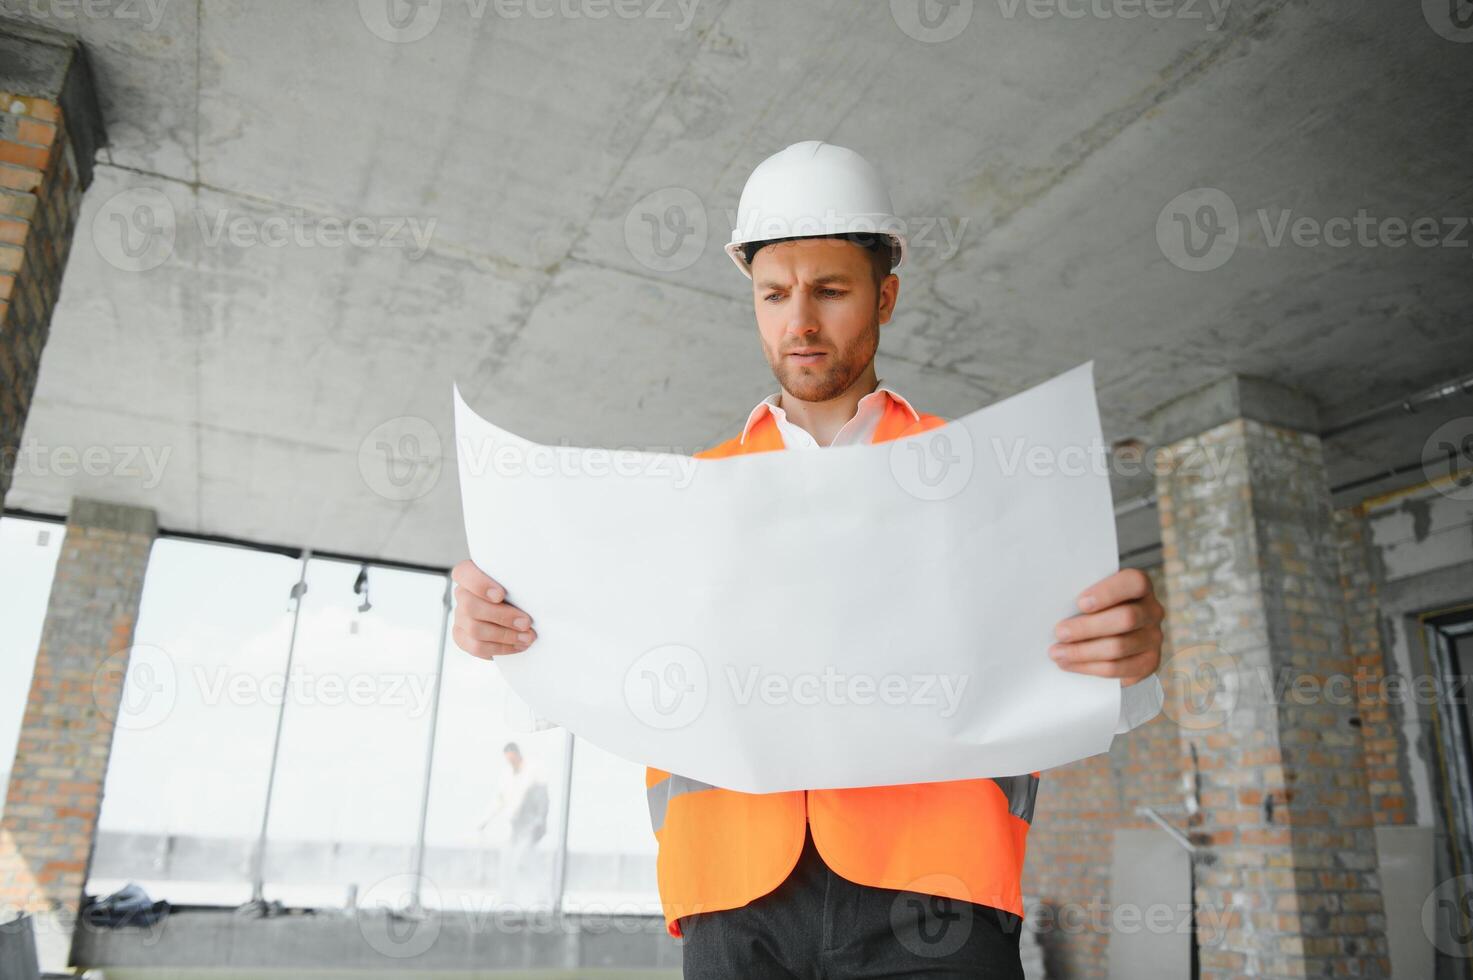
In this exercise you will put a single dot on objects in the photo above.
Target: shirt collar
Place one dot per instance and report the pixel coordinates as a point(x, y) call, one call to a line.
point(770, 404)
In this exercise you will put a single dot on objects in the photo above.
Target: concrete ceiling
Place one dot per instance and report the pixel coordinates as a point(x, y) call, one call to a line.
point(531, 149)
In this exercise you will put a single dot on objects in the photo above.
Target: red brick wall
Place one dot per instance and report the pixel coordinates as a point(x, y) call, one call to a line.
point(1387, 779)
point(39, 198)
point(55, 790)
point(1079, 806)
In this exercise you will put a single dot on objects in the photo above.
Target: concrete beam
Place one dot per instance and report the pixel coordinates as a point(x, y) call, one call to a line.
point(1233, 397)
point(42, 64)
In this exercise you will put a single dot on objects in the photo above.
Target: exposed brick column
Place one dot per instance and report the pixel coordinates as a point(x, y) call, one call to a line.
point(55, 791)
point(49, 131)
point(1387, 778)
point(1287, 880)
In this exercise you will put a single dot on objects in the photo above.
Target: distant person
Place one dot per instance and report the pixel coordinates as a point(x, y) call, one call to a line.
point(523, 800)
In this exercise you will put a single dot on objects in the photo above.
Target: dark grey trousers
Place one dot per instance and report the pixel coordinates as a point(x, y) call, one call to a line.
point(819, 925)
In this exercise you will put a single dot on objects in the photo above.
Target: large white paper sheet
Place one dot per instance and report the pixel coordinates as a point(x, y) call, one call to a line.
point(856, 616)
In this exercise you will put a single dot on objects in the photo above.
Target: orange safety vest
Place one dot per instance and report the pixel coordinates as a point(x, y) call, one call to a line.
point(720, 849)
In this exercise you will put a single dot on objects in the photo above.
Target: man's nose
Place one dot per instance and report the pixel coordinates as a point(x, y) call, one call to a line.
point(802, 315)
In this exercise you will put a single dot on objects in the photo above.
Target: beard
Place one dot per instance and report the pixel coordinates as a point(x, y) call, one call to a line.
point(839, 371)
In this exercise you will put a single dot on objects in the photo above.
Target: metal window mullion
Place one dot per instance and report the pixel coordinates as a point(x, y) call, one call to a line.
point(258, 869)
point(429, 768)
point(560, 877)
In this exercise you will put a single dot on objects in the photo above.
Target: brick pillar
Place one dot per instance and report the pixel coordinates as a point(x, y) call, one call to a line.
point(1287, 881)
point(55, 790)
point(1388, 780)
point(49, 130)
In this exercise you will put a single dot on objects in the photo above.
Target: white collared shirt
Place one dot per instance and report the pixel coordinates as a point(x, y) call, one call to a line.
point(1139, 703)
point(859, 429)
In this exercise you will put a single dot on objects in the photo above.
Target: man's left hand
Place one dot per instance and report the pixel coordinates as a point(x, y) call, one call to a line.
point(1117, 634)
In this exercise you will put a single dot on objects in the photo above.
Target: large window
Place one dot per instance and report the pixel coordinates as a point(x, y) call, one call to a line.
point(349, 781)
point(186, 780)
point(1448, 639)
point(611, 849)
point(495, 820)
point(403, 768)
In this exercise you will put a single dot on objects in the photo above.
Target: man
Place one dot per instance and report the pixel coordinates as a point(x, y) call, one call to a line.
point(887, 881)
point(524, 799)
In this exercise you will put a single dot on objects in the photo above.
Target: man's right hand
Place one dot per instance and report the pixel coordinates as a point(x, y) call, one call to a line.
point(486, 625)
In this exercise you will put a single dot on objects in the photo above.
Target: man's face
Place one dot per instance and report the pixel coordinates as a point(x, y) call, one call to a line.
point(514, 759)
point(819, 313)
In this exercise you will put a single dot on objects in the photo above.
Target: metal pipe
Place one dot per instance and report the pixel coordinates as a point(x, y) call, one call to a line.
point(1409, 405)
point(1160, 821)
point(1438, 392)
point(258, 862)
point(1133, 504)
point(424, 797)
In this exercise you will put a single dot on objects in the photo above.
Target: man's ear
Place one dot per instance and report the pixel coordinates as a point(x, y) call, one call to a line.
point(889, 294)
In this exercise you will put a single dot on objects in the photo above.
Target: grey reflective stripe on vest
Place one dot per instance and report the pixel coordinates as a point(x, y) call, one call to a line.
point(1021, 791)
point(663, 792)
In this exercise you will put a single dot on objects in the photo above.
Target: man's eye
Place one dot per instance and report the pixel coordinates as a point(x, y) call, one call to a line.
point(833, 292)
point(772, 296)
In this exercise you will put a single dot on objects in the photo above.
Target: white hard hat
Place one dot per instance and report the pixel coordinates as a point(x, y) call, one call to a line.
point(813, 189)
